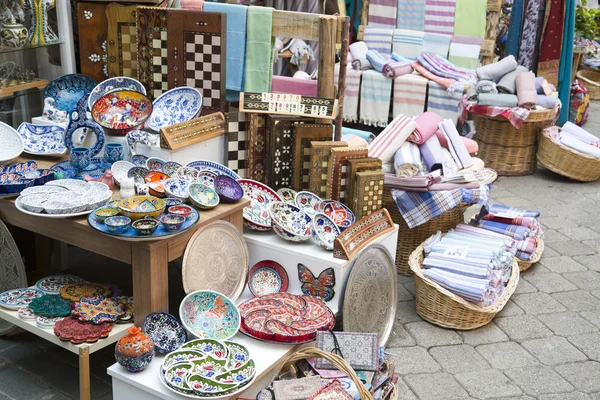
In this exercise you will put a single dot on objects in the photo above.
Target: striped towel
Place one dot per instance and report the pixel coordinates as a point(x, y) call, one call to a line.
point(431, 151)
point(411, 15)
point(464, 51)
point(522, 255)
point(477, 291)
point(408, 43)
point(528, 245)
point(382, 13)
point(259, 50)
point(375, 98)
point(391, 138)
point(529, 222)
point(410, 92)
point(440, 66)
point(442, 103)
point(376, 59)
point(455, 145)
point(351, 93)
point(515, 212)
point(396, 69)
point(482, 271)
point(407, 160)
point(439, 16)
point(380, 39)
point(517, 232)
point(436, 43)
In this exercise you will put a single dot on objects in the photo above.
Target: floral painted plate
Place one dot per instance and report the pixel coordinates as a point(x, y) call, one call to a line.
point(67, 90)
point(209, 315)
point(52, 284)
point(341, 215)
point(237, 355)
point(112, 84)
point(165, 330)
point(97, 310)
point(325, 231)
point(267, 277)
point(209, 347)
point(17, 298)
point(287, 195)
point(308, 202)
point(121, 111)
point(43, 140)
point(138, 174)
point(47, 322)
point(290, 222)
point(174, 106)
point(256, 215)
point(171, 167)
point(51, 305)
point(26, 313)
point(75, 291)
point(74, 331)
point(139, 160)
point(155, 164)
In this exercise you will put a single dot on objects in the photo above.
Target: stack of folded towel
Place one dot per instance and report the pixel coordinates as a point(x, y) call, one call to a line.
point(576, 138)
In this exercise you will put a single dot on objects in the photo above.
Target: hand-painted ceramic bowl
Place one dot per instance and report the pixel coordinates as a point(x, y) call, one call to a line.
point(209, 367)
point(156, 183)
point(177, 188)
point(117, 224)
point(325, 231)
point(210, 315)
point(290, 222)
point(256, 215)
point(238, 375)
point(202, 196)
point(170, 168)
point(228, 189)
point(105, 212)
point(155, 164)
point(183, 210)
point(113, 204)
point(121, 111)
point(204, 386)
point(172, 202)
point(237, 355)
point(341, 215)
point(308, 202)
point(138, 207)
point(188, 173)
point(113, 84)
point(145, 226)
point(287, 195)
point(176, 375)
point(176, 105)
point(172, 222)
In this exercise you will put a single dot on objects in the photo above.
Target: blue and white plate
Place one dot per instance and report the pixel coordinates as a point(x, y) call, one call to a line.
point(139, 160)
point(209, 170)
point(43, 140)
point(95, 170)
point(52, 284)
point(174, 106)
point(112, 84)
point(17, 298)
point(67, 90)
point(165, 330)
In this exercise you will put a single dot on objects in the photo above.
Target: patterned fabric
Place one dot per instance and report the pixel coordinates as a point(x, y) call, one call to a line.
point(410, 92)
point(376, 60)
point(382, 13)
point(375, 91)
point(408, 43)
point(517, 232)
point(440, 66)
point(407, 160)
point(259, 50)
point(380, 39)
point(411, 15)
point(478, 291)
point(391, 138)
point(464, 51)
point(552, 40)
point(514, 29)
point(351, 92)
point(529, 37)
point(439, 16)
point(443, 103)
point(506, 210)
point(515, 115)
point(436, 43)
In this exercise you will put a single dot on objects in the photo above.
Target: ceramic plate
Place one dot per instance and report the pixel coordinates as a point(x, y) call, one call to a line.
point(138, 174)
point(165, 330)
point(216, 168)
point(216, 258)
point(11, 144)
point(52, 284)
point(17, 298)
point(209, 315)
point(96, 169)
point(139, 160)
point(170, 168)
point(308, 202)
point(19, 207)
point(43, 140)
point(267, 277)
point(155, 164)
point(67, 90)
point(256, 215)
point(26, 313)
point(174, 106)
point(97, 310)
point(12, 269)
point(112, 84)
point(121, 110)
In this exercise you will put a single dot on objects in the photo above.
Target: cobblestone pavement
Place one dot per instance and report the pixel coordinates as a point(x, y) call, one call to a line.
point(544, 345)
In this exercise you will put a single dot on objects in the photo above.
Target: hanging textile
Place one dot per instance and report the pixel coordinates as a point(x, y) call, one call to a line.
point(383, 13)
point(470, 17)
point(529, 37)
point(566, 65)
point(411, 15)
point(552, 39)
point(514, 29)
point(439, 16)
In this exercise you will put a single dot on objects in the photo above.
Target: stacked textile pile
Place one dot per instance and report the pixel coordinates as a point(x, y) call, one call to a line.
point(576, 138)
point(470, 262)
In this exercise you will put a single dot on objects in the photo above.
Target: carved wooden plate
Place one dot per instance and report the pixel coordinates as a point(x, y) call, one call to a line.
point(12, 270)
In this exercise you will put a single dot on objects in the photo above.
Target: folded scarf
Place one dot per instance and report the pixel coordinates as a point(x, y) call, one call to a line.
point(444, 82)
point(477, 291)
point(391, 138)
point(408, 43)
point(528, 245)
point(361, 64)
point(511, 211)
point(436, 44)
point(383, 13)
point(439, 16)
point(376, 59)
point(427, 125)
point(431, 151)
point(576, 144)
point(259, 50)
point(449, 264)
point(411, 15)
point(413, 183)
point(547, 101)
point(526, 92)
point(443, 103)
point(543, 86)
point(455, 145)
point(470, 144)
point(528, 222)
point(407, 160)
point(451, 186)
point(464, 51)
point(410, 93)
point(522, 255)
point(396, 69)
point(351, 92)
point(485, 86)
point(517, 232)
point(498, 69)
point(507, 83)
point(581, 133)
point(497, 100)
point(378, 38)
point(375, 99)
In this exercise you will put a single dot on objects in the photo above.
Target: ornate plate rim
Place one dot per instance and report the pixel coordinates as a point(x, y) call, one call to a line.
point(213, 164)
point(116, 78)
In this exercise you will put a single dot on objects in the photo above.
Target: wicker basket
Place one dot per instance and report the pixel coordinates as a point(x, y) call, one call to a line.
point(525, 265)
point(409, 239)
point(442, 307)
point(567, 162)
point(508, 150)
point(591, 80)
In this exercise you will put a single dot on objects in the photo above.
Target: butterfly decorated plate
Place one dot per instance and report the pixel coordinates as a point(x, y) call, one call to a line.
point(17, 298)
point(320, 287)
point(256, 215)
point(112, 84)
point(52, 284)
point(267, 277)
point(165, 330)
point(43, 140)
point(209, 315)
point(174, 106)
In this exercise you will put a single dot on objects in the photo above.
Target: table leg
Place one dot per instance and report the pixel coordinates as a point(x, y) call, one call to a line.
point(237, 219)
point(149, 267)
point(84, 373)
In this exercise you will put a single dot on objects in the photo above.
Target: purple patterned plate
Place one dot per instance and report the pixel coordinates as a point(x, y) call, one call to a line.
point(228, 189)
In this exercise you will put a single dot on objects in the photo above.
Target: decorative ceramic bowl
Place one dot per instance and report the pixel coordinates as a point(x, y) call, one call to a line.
point(341, 215)
point(138, 174)
point(208, 314)
point(145, 226)
point(166, 332)
point(202, 196)
point(156, 183)
point(287, 195)
point(290, 222)
point(39, 176)
point(209, 347)
point(117, 224)
point(256, 215)
point(47, 140)
point(228, 189)
point(267, 277)
point(138, 207)
point(170, 168)
point(209, 366)
point(308, 202)
point(155, 164)
point(183, 210)
point(121, 111)
point(177, 188)
point(105, 212)
point(67, 90)
point(172, 222)
point(187, 173)
point(113, 204)
point(176, 105)
point(172, 202)
point(113, 84)
point(237, 355)
point(325, 231)
point(120, 170)
point(139, 160)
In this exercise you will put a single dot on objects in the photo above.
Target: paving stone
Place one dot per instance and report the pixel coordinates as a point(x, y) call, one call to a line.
point(436, 386)
point(556, 222)
point(407, 312)
point(593, 244)
point(413, 360)
point(596, 293)
point(34, 361)
point(567, 323)
point(428, 335)
point(595, 396)
point(538, 380)
point(537, 303)
point(486, 384)
point(522, 327)
point(565, 396)
point(577, 300)
point(67, 379)
point(410, 288)
point(549, 253)
point(588, 280)
point(510, 309)
point(572, 248)
point(553, 350)
point(549, 283)
point(403, 294)
point(591, 262)
point(562, 264)
point(460, 358)
point(487, 334)
point(506, 355)
point(400, 337)
point(592, 316)
point(404, 391)
point(589, 344)
point(18, 384)
point(551, 236)
point(579, 233)
point(585, 376)
point(525, 287)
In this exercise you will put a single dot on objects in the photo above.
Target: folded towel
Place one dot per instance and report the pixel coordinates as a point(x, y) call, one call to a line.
point(464, 51)
point(524, 256)
point(517, 232)
point(498, 69)
point(354, 141)
point(431, 151)
point(443, 103)
point(511, 211)
point(547, 101)
point(436, 44)
point(361, 64)
point(507, 83)
point(410, 92)
point(472, 94)
point(439, 16)
point(450, 264)
point(376, 59)
point(378, 38)
point(391, 138)
point(358, 50)
point(368, 136)
point(433, 239)
point(477, 291)
point(476, 231)
point(413, 183)
point(407, 43)
point(526, 92)
point(451, 186)
point(497, 100)
point(396, 69)
point(383, 12)
point(455, 145)
point(259, 49)
point(351, 92)
point(301, 86)
point(485, 86)
point(543, 86)
point(576, 144)
point(581, 133)
point(470, 18)
point(375, 91)
point(442, 67)
point(411, 15)
point(449, 166)
point(445, 82)
point(529, 222)
point(427, 125)
point(470, 144)
point(407, 160)
point(528, 245)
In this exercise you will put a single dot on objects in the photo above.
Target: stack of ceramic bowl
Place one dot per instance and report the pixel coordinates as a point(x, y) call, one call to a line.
point(17, 177)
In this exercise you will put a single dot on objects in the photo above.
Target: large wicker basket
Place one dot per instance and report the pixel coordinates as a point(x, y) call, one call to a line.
point(567, 162)
point(525, 265)
point(591, 81)
point(442, 307)
point(508, 150)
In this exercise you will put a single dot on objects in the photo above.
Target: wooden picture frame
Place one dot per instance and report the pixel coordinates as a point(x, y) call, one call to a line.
point(257, 145)
point(337, 173)
point(303, 135)
point(193, 131)
point(361, 233)
point(122, 40)
point(319, 164)
point(368, 192)
point(153, 59)
point(93, 32)
point(359, 165)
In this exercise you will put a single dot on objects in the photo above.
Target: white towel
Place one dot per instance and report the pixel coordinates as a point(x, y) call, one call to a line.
point(358, 50)
point(408, 43)
point(410, 93)
point(580, 133)
point(380, 39)
point(455, 144)
point(576, 144)
point(375, 98)
point(351, 92)
point(391, 138)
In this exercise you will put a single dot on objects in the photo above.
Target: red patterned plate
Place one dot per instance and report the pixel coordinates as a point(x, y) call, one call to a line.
point(267, 277)
point(72, 330)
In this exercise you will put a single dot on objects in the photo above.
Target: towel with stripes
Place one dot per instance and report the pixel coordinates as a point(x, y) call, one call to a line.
point(410, 92)
point(382, 13)
point(408, 43)
point(375, 97)
point(464, 51)
point(378, 38)
point(351, 93)
point(411, 15)
point(439, 16)
point(436, 43)
point(443, 103)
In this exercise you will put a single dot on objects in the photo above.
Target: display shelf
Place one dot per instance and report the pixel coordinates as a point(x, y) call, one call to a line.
point(10, 91)
point(5, 50)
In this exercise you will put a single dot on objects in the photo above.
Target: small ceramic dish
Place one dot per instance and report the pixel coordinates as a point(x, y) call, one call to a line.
point(121, 111)
point(105, 212)
point(139, 160)
point(204, 386)
point(167, 333)
point(172, 222)
point(176, 375)
point(155, 164)
point(308, 202)
point(341, 215)
point(188, 173)
point(39, 176)
point(113, 204)
point(170, 168)
point(177, 188)
point(290, 222)
point(138, 207)
point(155, 181)
point(210, 347)
point(172, 202)
point(138, 174)
point(209, 367)
point(228, 189)
point(237, 376)
point(120, 170)
point(325, 231)
point(117, 224)
point(145, 226)
point(287, 195)
point(202, 196)
point(237, 355)
point(267, 277)
point(181, 355)
point(183, 210)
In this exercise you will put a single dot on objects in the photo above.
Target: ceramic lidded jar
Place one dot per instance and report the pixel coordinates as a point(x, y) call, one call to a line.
point(13, 34)
point(135, 350)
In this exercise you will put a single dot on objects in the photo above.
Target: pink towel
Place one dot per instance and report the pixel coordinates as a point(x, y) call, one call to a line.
point(471, 145)
point(526, 92)
point(427, 125)
point(287, 84)
point(395, 69)
point(392, 138)
point(445, 82)
point(196, 5)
